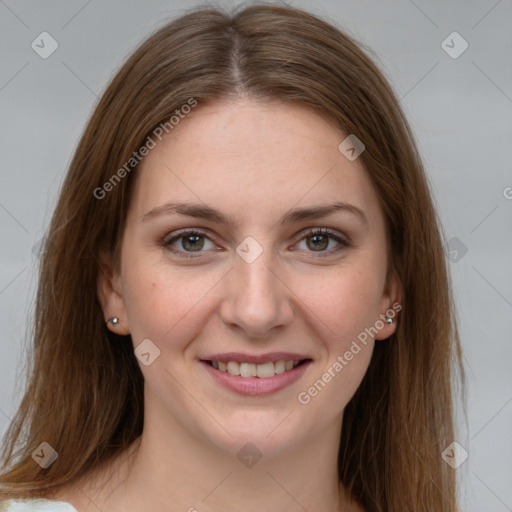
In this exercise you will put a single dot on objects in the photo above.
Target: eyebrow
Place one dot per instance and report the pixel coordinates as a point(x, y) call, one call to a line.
point(202, 211)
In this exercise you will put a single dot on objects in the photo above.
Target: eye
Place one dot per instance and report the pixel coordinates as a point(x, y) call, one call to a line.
point(187, 242)
point(319, 239)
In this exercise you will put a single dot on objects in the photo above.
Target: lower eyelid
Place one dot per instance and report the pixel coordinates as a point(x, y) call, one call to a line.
point(177, 238)
point(328, 252)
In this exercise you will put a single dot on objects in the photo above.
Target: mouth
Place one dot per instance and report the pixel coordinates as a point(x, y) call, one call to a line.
point(256, 375)
point(261, 371)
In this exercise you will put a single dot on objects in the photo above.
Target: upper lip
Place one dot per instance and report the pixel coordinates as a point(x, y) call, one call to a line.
point(271, 357)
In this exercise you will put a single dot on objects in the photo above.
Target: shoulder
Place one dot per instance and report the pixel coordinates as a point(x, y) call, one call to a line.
point(35, 505)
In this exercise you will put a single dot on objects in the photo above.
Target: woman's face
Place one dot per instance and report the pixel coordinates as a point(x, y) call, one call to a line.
point(253, 285)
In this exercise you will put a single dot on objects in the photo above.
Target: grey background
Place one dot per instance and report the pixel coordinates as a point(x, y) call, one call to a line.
point(460, 110)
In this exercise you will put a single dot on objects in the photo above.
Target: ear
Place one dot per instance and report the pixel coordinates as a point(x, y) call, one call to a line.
point(110, 295)
point(391, 305)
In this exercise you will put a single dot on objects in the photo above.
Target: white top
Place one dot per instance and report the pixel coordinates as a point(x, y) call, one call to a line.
point(37, 505)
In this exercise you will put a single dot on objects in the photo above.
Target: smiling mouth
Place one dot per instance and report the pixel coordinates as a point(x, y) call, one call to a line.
point(262, 371)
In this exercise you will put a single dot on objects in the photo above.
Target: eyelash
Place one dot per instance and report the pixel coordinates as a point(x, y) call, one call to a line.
point(167, 243)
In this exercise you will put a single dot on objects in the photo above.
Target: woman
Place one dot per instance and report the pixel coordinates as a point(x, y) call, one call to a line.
point(243, 299)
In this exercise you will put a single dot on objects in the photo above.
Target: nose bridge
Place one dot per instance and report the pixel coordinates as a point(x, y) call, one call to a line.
point(258, 279)
point(257, 300)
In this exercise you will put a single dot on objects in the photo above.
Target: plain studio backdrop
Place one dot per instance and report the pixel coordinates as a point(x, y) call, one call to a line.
point(450, 64)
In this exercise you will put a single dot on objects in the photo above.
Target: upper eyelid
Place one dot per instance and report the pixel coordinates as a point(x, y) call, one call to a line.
point(185, 232)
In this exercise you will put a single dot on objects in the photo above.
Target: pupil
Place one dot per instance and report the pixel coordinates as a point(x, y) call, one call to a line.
point(194, 245)
point(317, 241)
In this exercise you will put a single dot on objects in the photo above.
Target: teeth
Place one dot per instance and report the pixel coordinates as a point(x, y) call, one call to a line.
point(247, 370)
point(279, 367)
point(263, 371)
point(233, 368)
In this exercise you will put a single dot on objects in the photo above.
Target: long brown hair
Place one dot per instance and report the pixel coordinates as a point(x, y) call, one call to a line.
point(84, 393)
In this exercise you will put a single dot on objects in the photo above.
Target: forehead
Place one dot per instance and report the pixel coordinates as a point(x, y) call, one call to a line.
point(244, 156)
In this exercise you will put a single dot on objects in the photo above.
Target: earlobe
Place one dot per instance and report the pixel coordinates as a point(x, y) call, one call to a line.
point(391, 306)
point(111, 298)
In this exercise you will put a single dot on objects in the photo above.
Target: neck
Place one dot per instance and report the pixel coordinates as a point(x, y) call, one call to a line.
point(171, 469)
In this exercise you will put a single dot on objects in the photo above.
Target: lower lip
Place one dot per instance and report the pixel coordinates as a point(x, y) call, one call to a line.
point(255, 386)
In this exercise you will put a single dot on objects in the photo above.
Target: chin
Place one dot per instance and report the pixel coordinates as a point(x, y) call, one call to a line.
point(258, 431)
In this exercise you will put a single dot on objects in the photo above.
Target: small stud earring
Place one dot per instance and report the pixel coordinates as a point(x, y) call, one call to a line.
point(114, 320)
point(389, 320)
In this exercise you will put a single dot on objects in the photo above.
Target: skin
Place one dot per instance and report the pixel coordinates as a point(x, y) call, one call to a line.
point(254, 161)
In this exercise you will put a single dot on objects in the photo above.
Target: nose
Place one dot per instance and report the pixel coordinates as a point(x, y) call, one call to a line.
point(257, 302)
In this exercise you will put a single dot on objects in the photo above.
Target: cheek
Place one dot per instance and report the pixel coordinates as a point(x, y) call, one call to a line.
point(345, 311)
point(345, 300)
point(162, 301)
point(166, 302)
